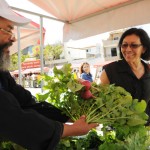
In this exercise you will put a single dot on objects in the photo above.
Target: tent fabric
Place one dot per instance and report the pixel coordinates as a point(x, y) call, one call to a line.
point(29, 35)
point(73, 10)
point(30, 70)
point(35, 70)
point(91, 17)
point(123, 17)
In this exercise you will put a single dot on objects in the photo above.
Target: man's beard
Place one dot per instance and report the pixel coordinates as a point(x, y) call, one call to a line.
point(4, 57)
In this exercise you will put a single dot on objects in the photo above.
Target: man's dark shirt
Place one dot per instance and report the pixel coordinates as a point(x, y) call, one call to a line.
point(26, 122)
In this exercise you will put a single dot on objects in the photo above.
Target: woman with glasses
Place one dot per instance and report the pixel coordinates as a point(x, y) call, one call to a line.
point(131, 72)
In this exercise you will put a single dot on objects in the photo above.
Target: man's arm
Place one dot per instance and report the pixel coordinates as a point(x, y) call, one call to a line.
point(26, 100)
point(32, 130)
point(27, 127)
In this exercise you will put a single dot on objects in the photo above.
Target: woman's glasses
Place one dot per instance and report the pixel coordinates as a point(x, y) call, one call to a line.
point(132, 46)
point(8, 32)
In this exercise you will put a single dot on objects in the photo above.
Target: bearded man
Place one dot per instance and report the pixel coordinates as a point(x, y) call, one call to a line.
point(35, 126)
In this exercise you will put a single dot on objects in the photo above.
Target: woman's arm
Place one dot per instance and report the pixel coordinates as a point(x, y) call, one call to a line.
point(104, 78)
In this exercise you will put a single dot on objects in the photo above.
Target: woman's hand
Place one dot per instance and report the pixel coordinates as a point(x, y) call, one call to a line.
point(79, 127)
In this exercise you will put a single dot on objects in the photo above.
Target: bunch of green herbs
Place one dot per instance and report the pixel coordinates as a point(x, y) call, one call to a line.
point(111, 106)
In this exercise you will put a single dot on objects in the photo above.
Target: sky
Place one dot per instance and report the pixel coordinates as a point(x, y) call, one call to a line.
point(54, 29)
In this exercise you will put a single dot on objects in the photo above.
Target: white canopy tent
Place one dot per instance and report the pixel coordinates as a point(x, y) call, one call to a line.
point(86, 18)
point(29, 35)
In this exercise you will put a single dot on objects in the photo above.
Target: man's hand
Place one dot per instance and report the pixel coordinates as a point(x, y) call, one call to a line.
point(79, 127)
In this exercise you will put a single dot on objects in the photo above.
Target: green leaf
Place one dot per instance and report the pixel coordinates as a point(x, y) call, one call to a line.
point(42, 96)
point(74, 86)
point(140, 106)
point(66, 69)
point(136, 121)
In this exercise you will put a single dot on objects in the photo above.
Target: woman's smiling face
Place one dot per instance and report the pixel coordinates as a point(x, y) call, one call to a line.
point(132, 48)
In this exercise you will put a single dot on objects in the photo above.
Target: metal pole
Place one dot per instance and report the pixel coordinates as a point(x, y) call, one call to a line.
point(41, 49)
point(41, 43)
point(19, 56)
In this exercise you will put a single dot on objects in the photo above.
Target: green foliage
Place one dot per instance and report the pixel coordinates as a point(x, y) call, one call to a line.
point(111, 106)
point(8, 145)
point(90, 141)
point(36, 51)
point(53, 51)
point(14, 61)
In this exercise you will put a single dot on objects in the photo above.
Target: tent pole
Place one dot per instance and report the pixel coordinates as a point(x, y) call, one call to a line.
point(38, 14)
point(19, 56)
point(41, 48)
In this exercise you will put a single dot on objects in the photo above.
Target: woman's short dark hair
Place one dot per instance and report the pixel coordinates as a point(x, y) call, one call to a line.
point(144, 38)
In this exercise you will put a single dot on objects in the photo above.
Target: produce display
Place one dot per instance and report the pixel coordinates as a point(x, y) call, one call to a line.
point(123, 118)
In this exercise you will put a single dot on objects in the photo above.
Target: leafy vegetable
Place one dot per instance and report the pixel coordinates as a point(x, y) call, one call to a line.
point(109, 105)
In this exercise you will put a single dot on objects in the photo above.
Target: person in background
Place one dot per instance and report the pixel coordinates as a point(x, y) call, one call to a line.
point(85, 72)
point(132, 71)
point(31, 124)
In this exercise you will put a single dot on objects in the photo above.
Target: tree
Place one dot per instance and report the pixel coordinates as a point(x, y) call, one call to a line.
point(36, 51)
point(50, 51)
point(53, 51)
point(14, 61)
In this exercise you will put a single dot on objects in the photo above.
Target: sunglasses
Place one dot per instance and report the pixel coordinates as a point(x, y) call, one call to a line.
point(8, 32)
point(132, 46)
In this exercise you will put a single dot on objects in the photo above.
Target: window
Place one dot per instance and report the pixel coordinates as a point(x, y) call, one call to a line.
point(113, 52)
point(116, 38)
point(88, 50)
